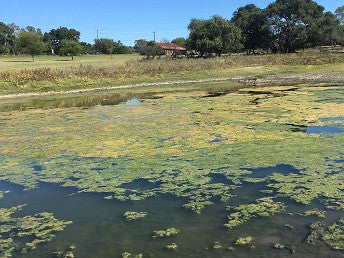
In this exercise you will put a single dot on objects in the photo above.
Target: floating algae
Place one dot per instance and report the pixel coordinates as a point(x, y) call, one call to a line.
point(334, 236)
point(217, 245)
point(172, 247)
point(319, 213)
point(166, 233)
point(316, 232)
point(133, 215)
point(264, 207)
point(69, 253)
point(129, 255)
point(57, 143)
point(244, 241)
point(169, 143)
point(21, 234)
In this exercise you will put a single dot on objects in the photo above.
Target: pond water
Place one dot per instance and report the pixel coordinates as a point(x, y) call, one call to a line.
point(99, 229)
point(323, 129)
point(333, 128)
point(332, 119)
point(77, 101)
point(228, 172)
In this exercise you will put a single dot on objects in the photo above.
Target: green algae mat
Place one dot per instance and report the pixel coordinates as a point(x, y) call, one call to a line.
point(186, 173)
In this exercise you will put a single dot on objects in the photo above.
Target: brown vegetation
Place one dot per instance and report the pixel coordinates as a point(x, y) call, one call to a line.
point(164, 66)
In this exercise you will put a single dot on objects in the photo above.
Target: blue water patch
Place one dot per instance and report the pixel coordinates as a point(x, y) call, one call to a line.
point(134, 101)
point(218, 138)
point(338, 118)
point(323, 129)
point(37, 168)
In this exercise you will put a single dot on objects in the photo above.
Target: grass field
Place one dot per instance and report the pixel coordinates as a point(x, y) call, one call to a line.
point(13, 63)
point(53, 73)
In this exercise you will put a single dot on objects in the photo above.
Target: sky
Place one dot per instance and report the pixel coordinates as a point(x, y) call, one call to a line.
point(124, 20)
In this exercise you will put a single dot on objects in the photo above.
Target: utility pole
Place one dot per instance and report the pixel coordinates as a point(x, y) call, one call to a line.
point(154, 35)
point(96, 41)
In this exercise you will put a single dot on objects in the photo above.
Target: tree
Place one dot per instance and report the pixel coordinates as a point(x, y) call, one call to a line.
point(329, 30)
point(216, 35)
point(340, 16)
point(34, 30)
point(104, 46)
point(30, 43)
point(292, 22)
point(340, 13)
point(180, 42)
point(70, 48)
point(87, 48)
point(109, 46)
point(54, 37)
point(148, 48)
point(122, 49)
point(8, 36)
point(341, 35)
point(4, 38)
point(139, 43)
point(255, 30)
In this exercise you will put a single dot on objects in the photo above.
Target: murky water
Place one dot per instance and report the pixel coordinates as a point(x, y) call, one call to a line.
point(99, 229)
point(76, 101)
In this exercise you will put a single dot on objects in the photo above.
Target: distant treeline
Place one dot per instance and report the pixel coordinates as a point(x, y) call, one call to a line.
point(284, 26)
point(60, 41)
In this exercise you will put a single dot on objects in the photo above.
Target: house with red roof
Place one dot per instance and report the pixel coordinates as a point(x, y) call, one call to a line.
point(171, 48)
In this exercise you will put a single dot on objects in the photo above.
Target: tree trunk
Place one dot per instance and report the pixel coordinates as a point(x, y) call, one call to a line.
point(72, 58)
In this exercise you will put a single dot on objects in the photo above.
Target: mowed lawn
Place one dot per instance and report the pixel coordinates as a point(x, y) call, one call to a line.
point(20, 62)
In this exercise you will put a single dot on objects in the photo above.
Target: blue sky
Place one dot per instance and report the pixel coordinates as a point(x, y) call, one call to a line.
point(123, 20)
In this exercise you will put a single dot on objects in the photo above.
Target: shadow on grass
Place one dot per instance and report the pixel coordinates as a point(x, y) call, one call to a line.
point(17, 61)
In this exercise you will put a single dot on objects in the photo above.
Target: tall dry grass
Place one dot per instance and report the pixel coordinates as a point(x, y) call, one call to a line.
point(165, 66)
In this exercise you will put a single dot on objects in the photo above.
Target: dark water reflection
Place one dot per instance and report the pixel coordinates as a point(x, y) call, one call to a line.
point(76, 101)
point(100, 231)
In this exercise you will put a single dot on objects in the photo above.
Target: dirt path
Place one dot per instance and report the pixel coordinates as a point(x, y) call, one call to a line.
point(334, 77)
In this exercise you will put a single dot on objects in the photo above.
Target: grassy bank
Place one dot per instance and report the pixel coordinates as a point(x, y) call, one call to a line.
point(56, 74)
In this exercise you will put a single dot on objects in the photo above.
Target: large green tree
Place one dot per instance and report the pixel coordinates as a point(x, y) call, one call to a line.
point(70, 48)
point(292, 22)
point(54, 37)
point(215, 35)
point(30, 43)
point(254, 26)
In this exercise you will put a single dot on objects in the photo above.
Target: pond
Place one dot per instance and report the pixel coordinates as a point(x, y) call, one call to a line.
point(99, 229)
point(174, 175)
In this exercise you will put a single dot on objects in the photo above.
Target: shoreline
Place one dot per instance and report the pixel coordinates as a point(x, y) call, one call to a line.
point(277, 79)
